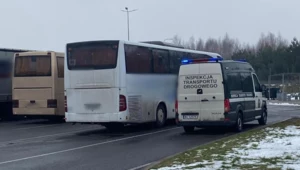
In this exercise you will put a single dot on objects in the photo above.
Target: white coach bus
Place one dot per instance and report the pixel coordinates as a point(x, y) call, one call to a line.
point(114, 83)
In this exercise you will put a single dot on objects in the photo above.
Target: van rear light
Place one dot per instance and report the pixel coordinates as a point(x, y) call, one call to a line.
point(226, 105)
point(176, 106)
point(15, 103)
point(52, 103)
point(66, 105)
point(122, 103)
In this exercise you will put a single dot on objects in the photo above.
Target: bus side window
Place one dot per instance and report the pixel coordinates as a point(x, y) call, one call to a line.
point(175, 61)
point(160, 61)
point(138, 59)
point(60, 67)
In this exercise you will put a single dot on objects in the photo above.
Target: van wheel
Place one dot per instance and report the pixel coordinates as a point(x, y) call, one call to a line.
point(188, 129)
point(263, 118)
point(239, 123)
point(161, 116)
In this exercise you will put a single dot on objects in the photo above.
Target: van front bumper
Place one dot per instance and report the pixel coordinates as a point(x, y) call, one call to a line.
point(206, 123)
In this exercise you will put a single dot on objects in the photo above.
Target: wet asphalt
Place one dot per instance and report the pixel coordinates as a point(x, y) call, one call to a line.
point(41, 144)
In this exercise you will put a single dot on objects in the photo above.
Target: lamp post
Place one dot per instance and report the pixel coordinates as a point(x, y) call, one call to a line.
point(128, 11)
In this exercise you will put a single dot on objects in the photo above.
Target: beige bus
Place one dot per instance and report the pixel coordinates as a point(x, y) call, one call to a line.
point(38, 84)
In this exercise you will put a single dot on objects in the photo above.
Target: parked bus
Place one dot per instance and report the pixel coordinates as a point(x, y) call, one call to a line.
point(118, 82)
point(38, 84)
point(6, 64)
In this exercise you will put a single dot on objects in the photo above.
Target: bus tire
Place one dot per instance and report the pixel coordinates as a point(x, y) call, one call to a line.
point(161, 115)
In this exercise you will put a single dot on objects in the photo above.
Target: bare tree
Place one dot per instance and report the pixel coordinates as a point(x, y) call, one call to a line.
point(191, 43)
point(200, 45)
point(177, 40)
point(211, 45)
point(271, 41)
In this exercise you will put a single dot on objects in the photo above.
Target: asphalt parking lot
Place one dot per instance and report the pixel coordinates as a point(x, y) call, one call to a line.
point(41, 144)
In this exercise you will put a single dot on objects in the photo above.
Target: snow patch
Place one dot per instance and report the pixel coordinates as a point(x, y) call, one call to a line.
point(283, 104)
point(281, 145)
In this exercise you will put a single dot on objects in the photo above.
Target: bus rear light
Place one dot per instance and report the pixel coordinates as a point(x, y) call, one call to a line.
point(15, 103)
point(226, 105)
point(52, 103)
point(66, 105)
point(122, 103)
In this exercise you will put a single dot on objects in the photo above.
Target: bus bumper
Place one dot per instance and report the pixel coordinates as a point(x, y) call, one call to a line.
point(97, 117)
point(34, 111)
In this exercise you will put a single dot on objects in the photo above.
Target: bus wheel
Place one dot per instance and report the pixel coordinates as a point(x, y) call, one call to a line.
point(161, 115)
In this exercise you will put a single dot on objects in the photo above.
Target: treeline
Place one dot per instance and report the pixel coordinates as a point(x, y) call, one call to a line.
point(272, 54)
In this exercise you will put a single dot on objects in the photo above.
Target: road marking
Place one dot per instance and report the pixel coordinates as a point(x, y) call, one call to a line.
point(34, 127)
point(3, 144)
point(86, 146)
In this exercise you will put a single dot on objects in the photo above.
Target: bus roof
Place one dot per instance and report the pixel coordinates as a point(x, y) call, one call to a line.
point(155, 45)
point(13, 50)
point(171, 48)
point(40, 52)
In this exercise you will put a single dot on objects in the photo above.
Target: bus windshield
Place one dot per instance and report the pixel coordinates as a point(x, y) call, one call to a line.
point(92, 55)
point(30, 66)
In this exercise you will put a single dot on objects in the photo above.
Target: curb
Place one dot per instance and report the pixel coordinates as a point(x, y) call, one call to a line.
point(150, 165)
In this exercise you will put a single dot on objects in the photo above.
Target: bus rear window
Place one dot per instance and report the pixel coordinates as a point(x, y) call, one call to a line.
point(95, 55)
point(5, 68)
point(30, 66)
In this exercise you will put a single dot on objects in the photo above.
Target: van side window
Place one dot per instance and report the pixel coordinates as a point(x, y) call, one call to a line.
point(247, 82)
point(256, 84)
point(60, 67)
point(234, 83)
point(160, 61)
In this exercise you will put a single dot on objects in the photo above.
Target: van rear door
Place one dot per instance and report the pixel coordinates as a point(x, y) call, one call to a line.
point(201, 92)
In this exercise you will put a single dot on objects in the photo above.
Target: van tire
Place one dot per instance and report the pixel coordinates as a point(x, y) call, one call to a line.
point(264, 117)
point(239, 123)
point(161, 115)
point(188, 129)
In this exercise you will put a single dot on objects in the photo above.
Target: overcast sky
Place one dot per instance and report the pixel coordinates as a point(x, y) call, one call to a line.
point(50, 24)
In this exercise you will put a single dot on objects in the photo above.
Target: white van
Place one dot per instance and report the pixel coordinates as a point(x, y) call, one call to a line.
point(212, 92)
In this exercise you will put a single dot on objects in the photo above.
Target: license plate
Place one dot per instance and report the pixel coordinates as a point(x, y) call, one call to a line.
point(190, 116)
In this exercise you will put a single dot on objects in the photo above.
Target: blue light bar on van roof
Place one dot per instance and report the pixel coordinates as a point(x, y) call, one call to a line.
point(241, 60)
point(189, 61)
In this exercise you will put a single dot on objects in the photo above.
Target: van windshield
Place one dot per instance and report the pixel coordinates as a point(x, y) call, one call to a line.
point(31, 66)
point(92, 55)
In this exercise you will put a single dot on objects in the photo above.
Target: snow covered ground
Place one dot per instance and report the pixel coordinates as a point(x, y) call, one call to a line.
point(276, 147)
point(284, 104)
